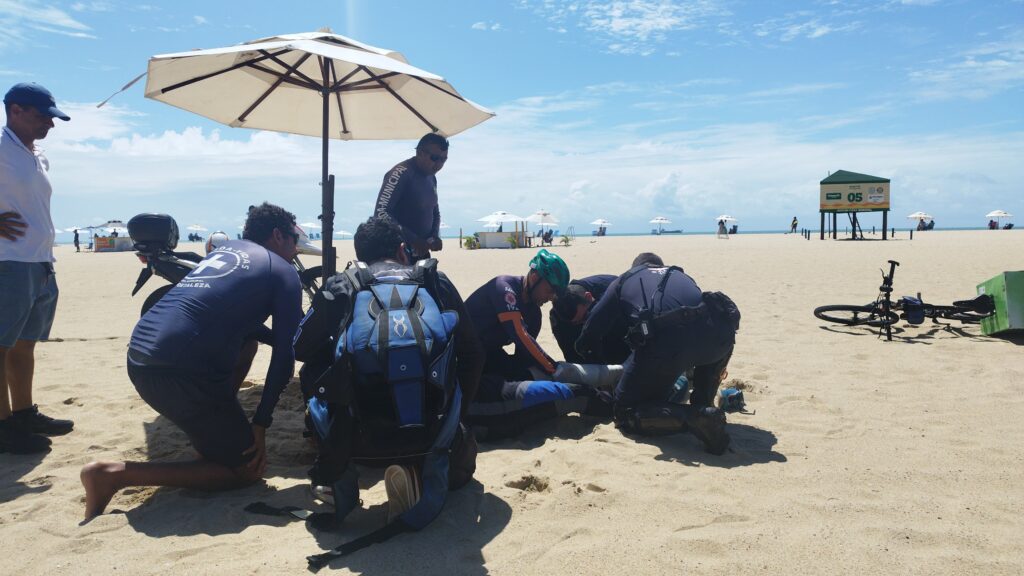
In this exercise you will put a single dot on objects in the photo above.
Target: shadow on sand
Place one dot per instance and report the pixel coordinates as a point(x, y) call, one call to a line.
point(749, 446)
point(13, 468)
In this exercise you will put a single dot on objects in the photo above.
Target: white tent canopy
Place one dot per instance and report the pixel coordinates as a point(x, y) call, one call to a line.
point(998, 214)
point(601, 222)
point(919, 216)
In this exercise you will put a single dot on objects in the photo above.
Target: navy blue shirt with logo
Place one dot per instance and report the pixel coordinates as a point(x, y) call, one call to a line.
point(501, 317)
point(409, 196)
point(199, 326)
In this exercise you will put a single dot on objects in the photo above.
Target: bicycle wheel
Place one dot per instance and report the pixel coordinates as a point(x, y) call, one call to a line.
point(850, 315)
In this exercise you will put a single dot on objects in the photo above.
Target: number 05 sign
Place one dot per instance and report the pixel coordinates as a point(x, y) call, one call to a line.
point(863, 196)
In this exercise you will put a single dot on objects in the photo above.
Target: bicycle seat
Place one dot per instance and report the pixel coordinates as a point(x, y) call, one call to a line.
point(983, 304)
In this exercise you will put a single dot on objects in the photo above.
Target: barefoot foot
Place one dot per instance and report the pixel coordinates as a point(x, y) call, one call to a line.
point(99, 480)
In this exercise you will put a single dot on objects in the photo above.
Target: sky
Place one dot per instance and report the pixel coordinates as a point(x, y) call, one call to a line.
point(621, 110)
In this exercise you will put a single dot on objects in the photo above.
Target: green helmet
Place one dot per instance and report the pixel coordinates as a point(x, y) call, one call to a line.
point(552, 268)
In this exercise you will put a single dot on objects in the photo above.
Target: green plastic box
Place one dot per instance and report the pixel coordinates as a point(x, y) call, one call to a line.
point(1007, 290)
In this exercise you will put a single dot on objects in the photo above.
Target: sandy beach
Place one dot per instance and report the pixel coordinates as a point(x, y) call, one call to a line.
point(863, 457)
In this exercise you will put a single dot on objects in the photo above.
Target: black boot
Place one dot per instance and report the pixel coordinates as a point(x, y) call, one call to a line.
point(708, 424)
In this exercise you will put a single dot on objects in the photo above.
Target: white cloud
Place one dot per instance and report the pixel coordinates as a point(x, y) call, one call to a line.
point(492, 26)
point(18, 15)
point(974, 74)
point(629, 26)
point(801, 24)
point(200, 20)
point(92, 7)
point(763, 172)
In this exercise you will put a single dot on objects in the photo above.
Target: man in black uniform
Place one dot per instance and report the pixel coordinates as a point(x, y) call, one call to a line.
point(673, 327)
point(408, 196)
point(569, 313)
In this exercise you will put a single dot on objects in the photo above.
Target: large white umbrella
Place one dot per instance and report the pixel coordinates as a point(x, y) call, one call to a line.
point(999, 215)
point(500, 216)
point(342, 233)
point(543, 218)
point(317, 84)
point(196, 228)
point(312, 225)
point(73, 228)
point(601, 222)
point(660, 221)
point(725, 217)
point(919, 216)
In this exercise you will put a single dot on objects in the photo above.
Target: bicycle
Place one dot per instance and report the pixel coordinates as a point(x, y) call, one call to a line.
point(883, 312)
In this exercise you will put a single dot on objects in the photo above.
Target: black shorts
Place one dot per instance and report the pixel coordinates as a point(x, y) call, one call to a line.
point(206, 410)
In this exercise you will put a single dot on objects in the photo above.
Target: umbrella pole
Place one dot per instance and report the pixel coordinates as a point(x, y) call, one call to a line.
point(327, 190)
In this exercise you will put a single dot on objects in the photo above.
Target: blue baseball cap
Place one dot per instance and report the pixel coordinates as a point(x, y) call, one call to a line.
point(32, 94)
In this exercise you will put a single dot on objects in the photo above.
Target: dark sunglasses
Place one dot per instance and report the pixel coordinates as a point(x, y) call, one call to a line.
point(292, 234)
point(436, 158)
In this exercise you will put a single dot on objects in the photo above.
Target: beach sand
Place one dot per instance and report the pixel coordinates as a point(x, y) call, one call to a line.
point(864, 456)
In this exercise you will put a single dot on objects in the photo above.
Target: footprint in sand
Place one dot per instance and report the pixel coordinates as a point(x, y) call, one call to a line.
point(529, 483)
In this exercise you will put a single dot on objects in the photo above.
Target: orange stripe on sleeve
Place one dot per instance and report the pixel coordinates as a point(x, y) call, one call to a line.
point(516, 318)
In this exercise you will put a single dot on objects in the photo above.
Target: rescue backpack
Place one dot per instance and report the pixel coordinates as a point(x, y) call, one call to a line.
point(390, 394)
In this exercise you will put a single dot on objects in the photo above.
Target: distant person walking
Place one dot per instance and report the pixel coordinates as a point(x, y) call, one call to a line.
point(77, 247)
point(792, 227)
point(408, 195)
point(27, 282)
point(722, 232)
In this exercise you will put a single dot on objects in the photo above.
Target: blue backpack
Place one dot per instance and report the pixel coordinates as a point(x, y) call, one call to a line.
point(390, 395)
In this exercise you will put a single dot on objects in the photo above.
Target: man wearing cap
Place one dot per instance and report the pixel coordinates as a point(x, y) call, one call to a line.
point(27, 281)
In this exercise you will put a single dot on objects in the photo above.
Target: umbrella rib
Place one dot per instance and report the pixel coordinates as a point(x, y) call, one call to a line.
point(273, 87)
point(364, 84)
point(399, 98)
point(337, 96)
point(297, 72)
point(219, 72)
point(435, 87)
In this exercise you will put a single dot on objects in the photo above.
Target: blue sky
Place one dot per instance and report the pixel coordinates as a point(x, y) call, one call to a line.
point(618, 110)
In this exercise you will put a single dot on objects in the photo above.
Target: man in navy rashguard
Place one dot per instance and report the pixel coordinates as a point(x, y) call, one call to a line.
point(408, 195)
point(183, 352)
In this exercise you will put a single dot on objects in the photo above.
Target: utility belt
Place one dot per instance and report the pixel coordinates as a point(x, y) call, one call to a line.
point(646, 325)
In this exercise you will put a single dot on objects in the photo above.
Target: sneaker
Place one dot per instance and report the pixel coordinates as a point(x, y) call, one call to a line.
point(403, 490)
point(32, 420)
point(16, 440)
point(324, 494)
point(709, 426)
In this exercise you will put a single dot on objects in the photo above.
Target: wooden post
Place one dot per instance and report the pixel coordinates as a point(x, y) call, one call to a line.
point(460, 236)
point(885, 223)
point(822, 228)
point(835, 225)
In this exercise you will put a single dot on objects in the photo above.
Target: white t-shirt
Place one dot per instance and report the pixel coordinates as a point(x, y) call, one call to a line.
point(25, 189)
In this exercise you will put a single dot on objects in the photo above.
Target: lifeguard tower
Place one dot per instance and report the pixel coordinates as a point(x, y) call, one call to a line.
point(851, 193)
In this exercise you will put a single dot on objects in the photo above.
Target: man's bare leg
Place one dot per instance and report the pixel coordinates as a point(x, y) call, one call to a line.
point(103, 479)
point(21, 364)
point(5, 397)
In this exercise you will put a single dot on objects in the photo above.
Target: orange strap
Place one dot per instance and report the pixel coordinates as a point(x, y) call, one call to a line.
point(516, 318)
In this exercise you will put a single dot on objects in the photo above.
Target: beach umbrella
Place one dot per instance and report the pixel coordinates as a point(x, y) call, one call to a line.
point(500, 216)
point(601, 222)
point(316, 84)
point(542, 218)
point(919, 216)
point(342, 233)
point(492, 224)
point(725, 217)
point(196, 228)
point(998, 215)
point(73, 228)
point(660, 221)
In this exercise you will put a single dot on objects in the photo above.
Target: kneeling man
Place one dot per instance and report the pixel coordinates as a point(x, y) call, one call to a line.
point(184, 350)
